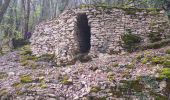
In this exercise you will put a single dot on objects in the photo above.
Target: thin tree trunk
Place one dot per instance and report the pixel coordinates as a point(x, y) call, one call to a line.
point(26, 14)
point(3, 9)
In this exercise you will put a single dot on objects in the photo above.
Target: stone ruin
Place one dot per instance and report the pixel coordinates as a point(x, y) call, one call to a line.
point(94, 30)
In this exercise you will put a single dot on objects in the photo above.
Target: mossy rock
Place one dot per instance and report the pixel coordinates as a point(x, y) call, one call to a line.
point(157, 60)
point(66, 81)
point(134, 85)
point(26, 52)
point(43, 85)
point(154, 37)
point(17, 85)
point(115, 65)
point(131, 65)
point(3, 92)
point(24, 63)
point(110, 77)
point(19, 92)
point(167, 51)
point(139, 57)
point(166, 63)
point(3, 75)
point(26, 79)
point(154, 45)
point(130, 41)
point(29, 57)
point(29, 64)
point(158, 96)
point(95, 89)
point(144, 60)
point(46, 57)
point(165, 73)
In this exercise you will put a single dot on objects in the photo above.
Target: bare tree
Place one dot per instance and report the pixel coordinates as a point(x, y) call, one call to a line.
point(3, 8)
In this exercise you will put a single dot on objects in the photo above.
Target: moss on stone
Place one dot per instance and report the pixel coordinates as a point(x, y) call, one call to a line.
point(131, 65)
point(166, 63)
point(66, 81)
point(26, 52)
point(157, 60)
point(17, 85)
point(29, 64)
point(134, 85)
point(110, 77)
point(139, 56)
point(144, 60)
point(46, 57)
point(3, 92)
point(24, 63)
point(154, 37)
point(115, 65)
point(26, 79)
point(165, 73)
point(167, 51)
point(43, 85)
point(154, 45)
point(19, 92)
point(95, 89)
point(3, 75)
point(32, 57)
point(130, 41)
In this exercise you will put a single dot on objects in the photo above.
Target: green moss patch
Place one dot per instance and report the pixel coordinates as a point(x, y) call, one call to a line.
point(17, 85)
point(66, 81)
point(165, 73)
point(26, 79)
point(26, 52)
point(144, 60)
point(157, 60)
point(154, 37)
point(167, 51)
point(130, 41)
point(166, 63)
point(95, 89)
point(43, 85)
point(110, 77)
point(3, 75)
point(154, 45)
point(3, 92)
point(46, 57)
point(134, 85)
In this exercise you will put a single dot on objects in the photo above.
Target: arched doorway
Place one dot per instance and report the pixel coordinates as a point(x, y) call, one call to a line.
point(83, 33)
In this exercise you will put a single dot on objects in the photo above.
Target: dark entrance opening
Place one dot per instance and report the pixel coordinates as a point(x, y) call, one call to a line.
point(83, 33)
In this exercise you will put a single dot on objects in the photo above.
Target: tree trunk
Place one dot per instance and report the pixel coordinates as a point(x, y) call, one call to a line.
point(26, 14)
point(3, 9)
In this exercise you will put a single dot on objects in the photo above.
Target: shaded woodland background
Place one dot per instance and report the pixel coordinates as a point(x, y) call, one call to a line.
point(20, 16)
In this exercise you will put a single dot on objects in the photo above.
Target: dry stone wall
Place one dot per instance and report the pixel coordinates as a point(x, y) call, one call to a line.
point(60, 36)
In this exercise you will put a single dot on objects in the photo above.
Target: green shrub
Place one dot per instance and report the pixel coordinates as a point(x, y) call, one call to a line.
point(130, 41)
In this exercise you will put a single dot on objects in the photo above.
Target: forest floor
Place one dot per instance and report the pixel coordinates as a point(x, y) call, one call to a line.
point(138, 75)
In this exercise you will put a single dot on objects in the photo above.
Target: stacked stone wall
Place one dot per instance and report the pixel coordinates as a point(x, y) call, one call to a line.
point(60, 36)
